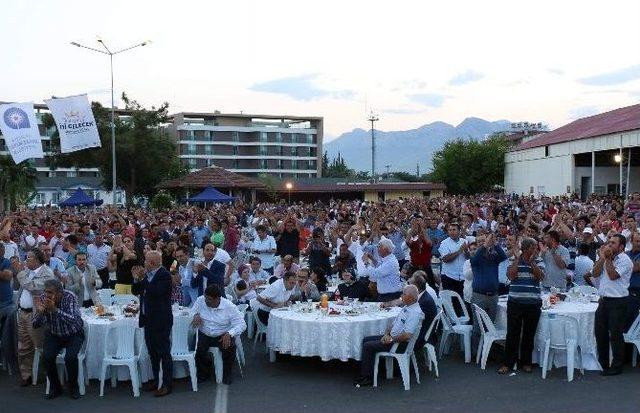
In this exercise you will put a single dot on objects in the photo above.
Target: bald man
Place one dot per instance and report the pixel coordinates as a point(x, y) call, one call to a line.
point(153, 284)
point(405, 326)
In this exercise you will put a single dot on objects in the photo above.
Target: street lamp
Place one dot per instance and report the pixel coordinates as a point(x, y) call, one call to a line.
point(289, 187)
point(617, 158)
point(113, 121)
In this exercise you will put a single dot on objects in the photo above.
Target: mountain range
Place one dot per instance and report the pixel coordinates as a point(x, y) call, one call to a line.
point(403, 150)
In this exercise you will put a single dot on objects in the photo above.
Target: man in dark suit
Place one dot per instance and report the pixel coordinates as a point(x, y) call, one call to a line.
point(211, 271)
point(153, 285)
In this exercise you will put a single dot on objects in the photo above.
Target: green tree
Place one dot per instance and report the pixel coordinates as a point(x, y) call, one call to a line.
point(468, 167)
point(145, 153)
point(17, 182)
point(338, 168)
point(161, 201)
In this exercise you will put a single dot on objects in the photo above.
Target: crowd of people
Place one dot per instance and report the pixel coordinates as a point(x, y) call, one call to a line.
point(53, 262)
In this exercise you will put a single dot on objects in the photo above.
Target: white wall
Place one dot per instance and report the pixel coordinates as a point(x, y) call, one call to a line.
point(554, 171)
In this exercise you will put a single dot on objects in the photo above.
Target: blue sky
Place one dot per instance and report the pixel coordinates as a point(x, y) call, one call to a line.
point(413, 62)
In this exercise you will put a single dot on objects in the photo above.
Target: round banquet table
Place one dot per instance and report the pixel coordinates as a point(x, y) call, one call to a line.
point(95, 328)
point(583, 312)
point(325, 336)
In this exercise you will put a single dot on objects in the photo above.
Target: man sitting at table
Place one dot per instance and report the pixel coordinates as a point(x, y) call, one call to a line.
point(58, 309)
point(426, 302)
point(386, 273)
point(404, 326)
point(276, 295)
point(219, 322)
point(304, 289)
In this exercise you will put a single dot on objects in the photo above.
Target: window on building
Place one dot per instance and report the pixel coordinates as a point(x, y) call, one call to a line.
point(235, 150)
point(193, 163)
point(309, 151)
point(263, 164)
point(280, 164)
point(294, 164)
point(278, 137)
point(546, 150)
point(52, 174)
point(191, 135)
point(191, 149)
point(280, 150)
point(236, 164)
point(309, 138)
point(293, 138)
point(263, 150)
point(208, 149)
point(235, 136)
point(311, 165)
point(72, 174)
point(294, 151)
point(263, 136)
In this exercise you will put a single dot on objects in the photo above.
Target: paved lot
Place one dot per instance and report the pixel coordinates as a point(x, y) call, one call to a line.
point(309, 385)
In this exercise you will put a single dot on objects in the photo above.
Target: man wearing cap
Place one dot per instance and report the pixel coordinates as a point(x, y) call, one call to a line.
point(589, 239)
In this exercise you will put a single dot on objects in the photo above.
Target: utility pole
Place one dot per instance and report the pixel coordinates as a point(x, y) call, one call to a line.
point(387, 168)
point(417, 169)
point(373, 118)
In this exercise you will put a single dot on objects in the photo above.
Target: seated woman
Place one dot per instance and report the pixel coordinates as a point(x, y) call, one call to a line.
point(351, 286)
point(319, 278)
point(243, 289)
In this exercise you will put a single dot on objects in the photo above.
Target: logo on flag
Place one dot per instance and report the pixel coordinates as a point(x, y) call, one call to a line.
point(75, 121)
point(16, 118)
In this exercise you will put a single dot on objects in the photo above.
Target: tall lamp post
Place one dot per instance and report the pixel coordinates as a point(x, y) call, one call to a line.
point(113, 120)
point(373, 118)
point(289, 187)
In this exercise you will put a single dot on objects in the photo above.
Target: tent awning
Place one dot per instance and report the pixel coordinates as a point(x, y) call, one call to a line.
point(80, 198)
point(211, 195)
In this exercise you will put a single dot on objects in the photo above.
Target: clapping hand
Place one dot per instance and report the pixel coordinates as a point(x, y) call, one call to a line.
point(137, 272)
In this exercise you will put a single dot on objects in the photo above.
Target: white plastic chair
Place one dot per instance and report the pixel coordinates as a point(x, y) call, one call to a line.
point(447, 297)
point(429, 349)
point(35, 366)
point(561, 334)
point(106, 296)
point(404, 359)
point(632, 336)
point(123, 355)
point(82, 379)
point(488, 335)
point(261, 328)
point(216, 355)
point(240, 349)
point(180, 351)
point(454, 325)
point(124, 299)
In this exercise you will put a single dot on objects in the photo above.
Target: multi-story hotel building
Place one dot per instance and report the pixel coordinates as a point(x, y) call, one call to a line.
point(280, 146)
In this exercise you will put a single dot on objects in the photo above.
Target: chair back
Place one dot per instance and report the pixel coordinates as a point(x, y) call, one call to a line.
point(106, 296)
point(562, 329)
point(433, 327)
point(634, 330)
point(124, 333)
point(243, 309)
point(447, 297)
point(124, 299)
point(484, 321)
point(180, 335)
point(230, 292)
point(254, 309)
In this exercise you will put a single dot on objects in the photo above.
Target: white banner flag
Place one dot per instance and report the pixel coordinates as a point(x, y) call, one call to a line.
point(20, 131)
point(75, 121)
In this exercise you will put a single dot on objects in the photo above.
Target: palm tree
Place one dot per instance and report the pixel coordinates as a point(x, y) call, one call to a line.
point(17, 182)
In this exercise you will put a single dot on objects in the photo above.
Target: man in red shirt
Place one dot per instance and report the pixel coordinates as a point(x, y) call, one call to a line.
point(420, 249)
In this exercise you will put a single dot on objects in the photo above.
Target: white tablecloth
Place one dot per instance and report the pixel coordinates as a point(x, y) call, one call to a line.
point(583, 312)
point(95, 329)
point(328, 337)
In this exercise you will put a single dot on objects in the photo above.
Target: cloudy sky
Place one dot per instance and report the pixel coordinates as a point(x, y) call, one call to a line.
point(412, 62)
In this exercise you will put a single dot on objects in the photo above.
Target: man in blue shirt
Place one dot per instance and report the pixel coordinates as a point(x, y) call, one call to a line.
point(484, 265)
point(200, 232)
point(7, 311)
point(436, 235)
point(634, 283)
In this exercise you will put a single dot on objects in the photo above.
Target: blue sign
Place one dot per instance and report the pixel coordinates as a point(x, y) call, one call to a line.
point(16, 118)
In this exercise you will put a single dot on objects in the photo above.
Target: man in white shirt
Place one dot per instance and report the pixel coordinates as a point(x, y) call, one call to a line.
point(276, 295)
point(31, 281)
point(219, 323)
point(454, 250)
point(613, 270)
point(10, 247)
point(265, 247)
point(98, 256)
point(404, 326)
point(386, 274)
point(185, 271)
point(630, 227)
point(56, 264)
point(33, 239)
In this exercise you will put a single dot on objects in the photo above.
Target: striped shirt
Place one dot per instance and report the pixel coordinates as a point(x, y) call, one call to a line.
point(65, 321)
point(524, 289)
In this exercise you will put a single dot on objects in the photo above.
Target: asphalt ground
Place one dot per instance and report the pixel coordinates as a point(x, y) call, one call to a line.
point(294, 384)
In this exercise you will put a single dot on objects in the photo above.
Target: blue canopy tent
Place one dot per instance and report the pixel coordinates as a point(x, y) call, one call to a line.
point(79, 198)
point(211, 195)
